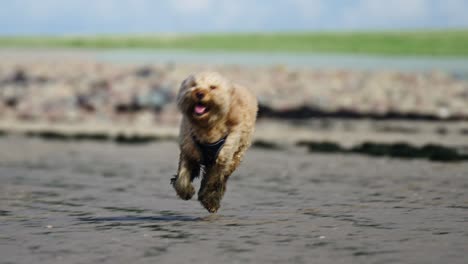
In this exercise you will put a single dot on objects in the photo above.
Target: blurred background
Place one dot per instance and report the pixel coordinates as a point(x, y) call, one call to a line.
point(107, 68)
point(359, 154)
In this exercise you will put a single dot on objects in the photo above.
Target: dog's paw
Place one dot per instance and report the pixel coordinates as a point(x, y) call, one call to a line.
point(185, 192)
point(211, 201)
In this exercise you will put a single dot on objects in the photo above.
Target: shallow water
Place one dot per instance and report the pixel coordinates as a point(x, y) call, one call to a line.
point(310, 60)
point(87, 203)
point(456, 65)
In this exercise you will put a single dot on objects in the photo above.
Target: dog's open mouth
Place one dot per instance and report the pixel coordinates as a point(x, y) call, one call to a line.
point(200, 109)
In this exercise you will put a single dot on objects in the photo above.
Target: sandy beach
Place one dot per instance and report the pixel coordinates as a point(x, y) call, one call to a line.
point(62, 202)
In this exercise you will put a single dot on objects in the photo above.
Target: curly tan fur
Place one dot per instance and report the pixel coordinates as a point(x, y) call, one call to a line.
point(229, 109)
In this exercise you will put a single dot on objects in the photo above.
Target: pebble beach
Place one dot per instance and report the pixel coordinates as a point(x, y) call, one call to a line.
point(77, 89)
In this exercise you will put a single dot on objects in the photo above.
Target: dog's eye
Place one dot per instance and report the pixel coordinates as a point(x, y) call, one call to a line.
point(213, 87)
point(193, 84)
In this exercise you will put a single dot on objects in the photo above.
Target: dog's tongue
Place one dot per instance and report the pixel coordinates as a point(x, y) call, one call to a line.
point(200, 109)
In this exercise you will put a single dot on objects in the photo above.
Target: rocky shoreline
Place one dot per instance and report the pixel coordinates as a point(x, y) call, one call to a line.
point(73, 97)
point(74, 90)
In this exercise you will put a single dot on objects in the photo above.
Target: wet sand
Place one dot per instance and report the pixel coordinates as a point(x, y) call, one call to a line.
point(63, 202)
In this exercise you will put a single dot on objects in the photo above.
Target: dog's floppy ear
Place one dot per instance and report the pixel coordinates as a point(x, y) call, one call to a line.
point(186, 82)
point(183, 86)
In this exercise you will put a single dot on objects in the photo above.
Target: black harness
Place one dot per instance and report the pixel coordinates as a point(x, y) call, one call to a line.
point(209, 154)
point(209, 151)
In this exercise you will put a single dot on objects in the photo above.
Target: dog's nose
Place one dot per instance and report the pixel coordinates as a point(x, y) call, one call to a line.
point(199, 95)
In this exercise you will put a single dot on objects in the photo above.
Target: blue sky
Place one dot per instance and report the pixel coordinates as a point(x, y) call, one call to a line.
point(59, 17)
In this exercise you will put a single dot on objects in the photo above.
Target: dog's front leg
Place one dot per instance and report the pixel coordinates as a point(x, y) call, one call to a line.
point(211, 189)
point(213, 185)
point(182, 182)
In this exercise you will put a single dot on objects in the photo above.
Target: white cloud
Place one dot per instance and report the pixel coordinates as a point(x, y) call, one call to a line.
point(191, 6)
point(395, 9)
point(308, 8)
point(229, 13)
point(455, 11)
point(395, 13)
point(126, 16)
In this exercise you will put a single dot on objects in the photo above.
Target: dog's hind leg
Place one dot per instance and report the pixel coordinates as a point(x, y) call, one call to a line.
point(182, 182)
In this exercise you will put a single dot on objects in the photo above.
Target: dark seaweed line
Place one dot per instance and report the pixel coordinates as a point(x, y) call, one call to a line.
point(433, 152)
point(402, 150)
point(80, 136)
point(308, 112)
